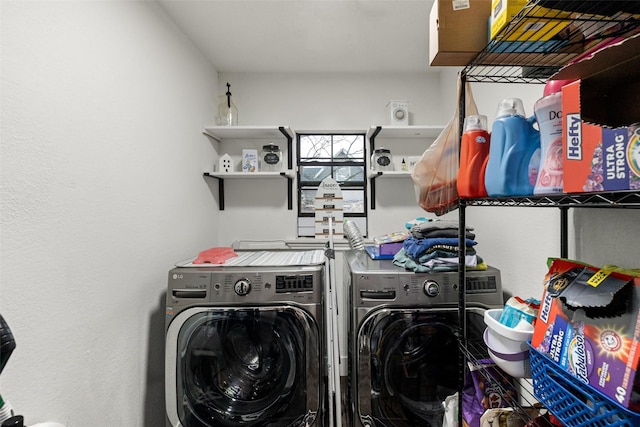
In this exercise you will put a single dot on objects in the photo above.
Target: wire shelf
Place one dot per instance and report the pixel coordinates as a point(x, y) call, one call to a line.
point(614, 199)
point(564, 36)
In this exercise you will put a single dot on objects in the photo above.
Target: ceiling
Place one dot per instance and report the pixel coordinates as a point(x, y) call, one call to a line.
point(307, 35)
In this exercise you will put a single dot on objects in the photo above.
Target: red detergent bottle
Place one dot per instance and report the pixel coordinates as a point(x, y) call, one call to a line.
point(474, 154)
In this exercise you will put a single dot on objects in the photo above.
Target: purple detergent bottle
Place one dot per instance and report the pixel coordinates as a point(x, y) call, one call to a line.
point(514, 155)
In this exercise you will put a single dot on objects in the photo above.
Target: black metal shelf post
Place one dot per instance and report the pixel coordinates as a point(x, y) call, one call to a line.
point(507, 61)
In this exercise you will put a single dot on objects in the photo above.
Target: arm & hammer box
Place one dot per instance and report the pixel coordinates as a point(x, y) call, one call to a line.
point(589, 325)
point(600, 116)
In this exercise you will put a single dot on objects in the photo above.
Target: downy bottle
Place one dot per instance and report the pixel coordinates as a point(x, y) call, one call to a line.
point(548, 111)
point(514, 155)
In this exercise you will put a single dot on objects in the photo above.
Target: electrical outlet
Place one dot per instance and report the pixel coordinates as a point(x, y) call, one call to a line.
point(225, 164)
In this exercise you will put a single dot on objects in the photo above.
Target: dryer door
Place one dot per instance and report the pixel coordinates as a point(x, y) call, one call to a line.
point(243, 366)
point(408, 365)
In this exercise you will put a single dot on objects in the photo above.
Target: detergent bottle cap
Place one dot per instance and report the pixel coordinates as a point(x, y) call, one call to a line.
point(510, 107)
point(554, 86)
point(475, 122)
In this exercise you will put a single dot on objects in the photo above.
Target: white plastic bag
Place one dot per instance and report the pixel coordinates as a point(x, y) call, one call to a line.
point(435, 174)
point(450, 418)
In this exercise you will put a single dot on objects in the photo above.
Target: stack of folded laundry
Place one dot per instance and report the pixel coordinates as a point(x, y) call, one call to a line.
point(434, 246)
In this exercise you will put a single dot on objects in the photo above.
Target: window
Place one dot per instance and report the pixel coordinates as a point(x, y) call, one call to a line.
point(340, 156)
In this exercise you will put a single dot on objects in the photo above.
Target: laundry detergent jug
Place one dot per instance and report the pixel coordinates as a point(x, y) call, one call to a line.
point(514, 154)
point(474, 154)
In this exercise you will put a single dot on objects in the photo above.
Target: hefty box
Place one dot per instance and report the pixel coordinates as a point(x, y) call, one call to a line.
point(448, 44)
point(589, 325)
point(600, 113)
point(596, 157)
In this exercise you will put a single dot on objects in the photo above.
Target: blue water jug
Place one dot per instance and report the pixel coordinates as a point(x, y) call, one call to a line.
point(514, 155)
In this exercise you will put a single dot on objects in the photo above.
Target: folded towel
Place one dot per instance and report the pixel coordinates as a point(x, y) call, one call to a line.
point(217, 255)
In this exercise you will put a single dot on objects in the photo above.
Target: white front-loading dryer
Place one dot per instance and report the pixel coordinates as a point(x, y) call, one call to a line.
point(245, 346)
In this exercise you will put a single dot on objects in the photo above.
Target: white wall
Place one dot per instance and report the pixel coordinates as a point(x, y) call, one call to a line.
point(103, 105)
point(516, 240)
point(322, 102)
point(102, 154)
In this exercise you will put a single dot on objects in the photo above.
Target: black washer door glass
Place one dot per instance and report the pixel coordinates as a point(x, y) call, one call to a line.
point(414, 366)
point(242, 367)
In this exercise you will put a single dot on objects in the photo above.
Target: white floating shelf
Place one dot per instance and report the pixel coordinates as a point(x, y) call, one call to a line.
point(388, 174)
point(404, 132)
point(251, 175)
point(248, 132)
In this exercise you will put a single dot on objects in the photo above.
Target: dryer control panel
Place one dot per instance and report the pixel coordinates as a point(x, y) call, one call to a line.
point(294, 283)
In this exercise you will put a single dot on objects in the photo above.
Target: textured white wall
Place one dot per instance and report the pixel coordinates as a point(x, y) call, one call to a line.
point(516, 240)
point(323, 102)
point(102, 155)
point(103, 104)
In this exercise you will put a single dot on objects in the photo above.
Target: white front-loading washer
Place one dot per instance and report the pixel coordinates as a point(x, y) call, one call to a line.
point(245, 346)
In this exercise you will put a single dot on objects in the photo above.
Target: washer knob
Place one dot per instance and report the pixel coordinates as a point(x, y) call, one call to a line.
point(242, 287)
point(431, 288)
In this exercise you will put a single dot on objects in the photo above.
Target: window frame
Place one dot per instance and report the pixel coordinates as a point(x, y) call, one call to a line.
point(331, 162)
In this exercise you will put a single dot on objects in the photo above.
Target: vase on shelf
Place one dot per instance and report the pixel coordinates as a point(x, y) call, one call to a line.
point(227, 110)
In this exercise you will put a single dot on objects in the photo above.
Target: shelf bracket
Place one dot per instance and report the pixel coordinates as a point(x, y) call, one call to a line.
point(289, 190)
point(220, 189)
point(289, 166)
point(372, 182)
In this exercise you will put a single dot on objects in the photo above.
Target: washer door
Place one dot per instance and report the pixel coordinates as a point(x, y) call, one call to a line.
point(408, 365)
point(243, 366)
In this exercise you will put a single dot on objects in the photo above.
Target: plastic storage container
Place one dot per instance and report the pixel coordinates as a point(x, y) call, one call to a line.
point(574, 403)
point(514, 155)
point(508, 347)
point(474, 155)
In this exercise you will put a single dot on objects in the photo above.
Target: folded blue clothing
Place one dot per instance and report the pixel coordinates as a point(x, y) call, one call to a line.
point(401, 259)
point(415, 247)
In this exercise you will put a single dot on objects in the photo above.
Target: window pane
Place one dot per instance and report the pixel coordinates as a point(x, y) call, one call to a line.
point(349, 174)
point(348, 147)
point(315, 147)
point(314, 174)
point(308, 200)
point(336, 147)
point(353, 201)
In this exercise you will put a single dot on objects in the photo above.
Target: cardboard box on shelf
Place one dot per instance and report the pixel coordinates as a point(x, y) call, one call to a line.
point(587, 324)
point(540, 24)
point(594, 156)
point(610, 83)
point(600, 112)
point(456, 35)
